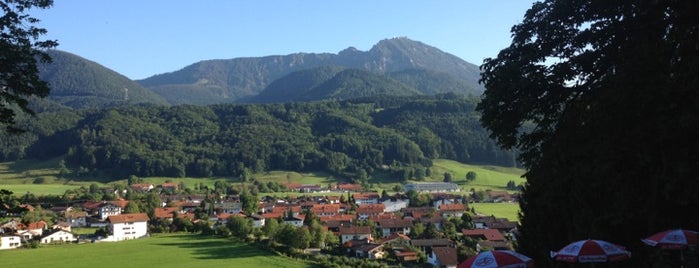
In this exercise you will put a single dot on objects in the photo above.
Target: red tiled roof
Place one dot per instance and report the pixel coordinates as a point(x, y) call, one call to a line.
point(452, 207)
point(394, 223)
point(284, 209)
point(487, 234)
point(137, 217)
point(355, 230)
point(370, 208)
point(395, 236)
point(446, 255)
point(141, 186)
point(120, 203)
point(338, 217)
point(325, 208)
point(272, 215)
point(349, 187)
point(169, 185)
point(32, 225)
point(384, 216)
point(165, 212)
point(365, 196)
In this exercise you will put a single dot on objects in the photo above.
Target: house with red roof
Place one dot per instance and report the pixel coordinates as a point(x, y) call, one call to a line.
point(366, 198)
point(484, 234)
point(166, 213)
point(325, 209)
point(349, 187)
point(348, 233)
point(366, 211)
point(391, 226)
point(142, 187)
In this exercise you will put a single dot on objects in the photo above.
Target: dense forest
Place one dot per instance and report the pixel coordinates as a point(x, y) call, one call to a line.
point(351, 139)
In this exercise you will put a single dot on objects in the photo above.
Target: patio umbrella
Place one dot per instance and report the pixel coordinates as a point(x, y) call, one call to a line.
point(591, 251)
point(677, 239)
point(497, 259)
point(673, 239)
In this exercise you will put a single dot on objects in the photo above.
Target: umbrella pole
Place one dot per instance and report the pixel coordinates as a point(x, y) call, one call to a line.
point(681, 258)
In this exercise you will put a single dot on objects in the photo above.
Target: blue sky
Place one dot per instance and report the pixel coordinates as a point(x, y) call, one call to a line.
point(143, 38)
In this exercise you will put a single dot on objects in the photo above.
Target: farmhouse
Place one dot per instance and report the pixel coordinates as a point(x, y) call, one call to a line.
point(127, 226)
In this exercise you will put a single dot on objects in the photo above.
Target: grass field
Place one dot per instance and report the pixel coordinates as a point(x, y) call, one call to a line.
point(487, 177)
point(500, 210)
point(181, 250)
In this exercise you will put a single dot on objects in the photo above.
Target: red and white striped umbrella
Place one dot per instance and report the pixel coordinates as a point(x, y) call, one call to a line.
point(497, 259)
point(591, 251)
point(673, 239)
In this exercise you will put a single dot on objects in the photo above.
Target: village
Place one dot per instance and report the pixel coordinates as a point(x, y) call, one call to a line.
point(427, 223)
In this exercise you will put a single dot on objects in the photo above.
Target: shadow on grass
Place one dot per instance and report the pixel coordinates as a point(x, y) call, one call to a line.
point(203, 247)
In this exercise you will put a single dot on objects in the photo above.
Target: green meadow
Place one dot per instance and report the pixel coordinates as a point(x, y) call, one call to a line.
point(500, 210)
point(179, 250)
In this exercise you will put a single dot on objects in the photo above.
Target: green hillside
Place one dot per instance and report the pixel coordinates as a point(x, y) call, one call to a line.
point(80, 83)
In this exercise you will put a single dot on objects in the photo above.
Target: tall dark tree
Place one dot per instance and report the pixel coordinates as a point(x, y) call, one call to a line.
point(20, 49)
point(601, 99)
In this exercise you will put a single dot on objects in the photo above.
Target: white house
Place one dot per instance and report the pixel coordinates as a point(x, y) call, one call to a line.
point(258, 220)
point(355, 232)
point(366, 198)
point(59, 236)
point(395, 204)
point(76, 218)
point(108, 209)
point(10, 241)
point(128, 226)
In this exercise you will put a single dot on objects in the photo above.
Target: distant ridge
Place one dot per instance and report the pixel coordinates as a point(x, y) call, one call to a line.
point(80, 83)
point(231, 80)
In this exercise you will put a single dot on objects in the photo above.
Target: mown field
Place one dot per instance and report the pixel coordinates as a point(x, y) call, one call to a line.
point(180, 250)
point(501, 210)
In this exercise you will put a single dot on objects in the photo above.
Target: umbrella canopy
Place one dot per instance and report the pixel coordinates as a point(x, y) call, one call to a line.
point(497, 259)
point(673, 239)
point(591, 251)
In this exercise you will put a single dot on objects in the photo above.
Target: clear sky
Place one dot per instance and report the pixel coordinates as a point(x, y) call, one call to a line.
point(141, 38)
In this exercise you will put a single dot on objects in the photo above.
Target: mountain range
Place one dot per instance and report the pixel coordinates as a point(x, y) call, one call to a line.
point(396, 66)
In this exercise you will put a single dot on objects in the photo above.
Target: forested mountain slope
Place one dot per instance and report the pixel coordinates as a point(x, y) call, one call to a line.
point(350, 138)
point(80, 83)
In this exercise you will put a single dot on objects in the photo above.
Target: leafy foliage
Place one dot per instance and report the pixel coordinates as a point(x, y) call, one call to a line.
point(20, 51)
point(593, 93)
